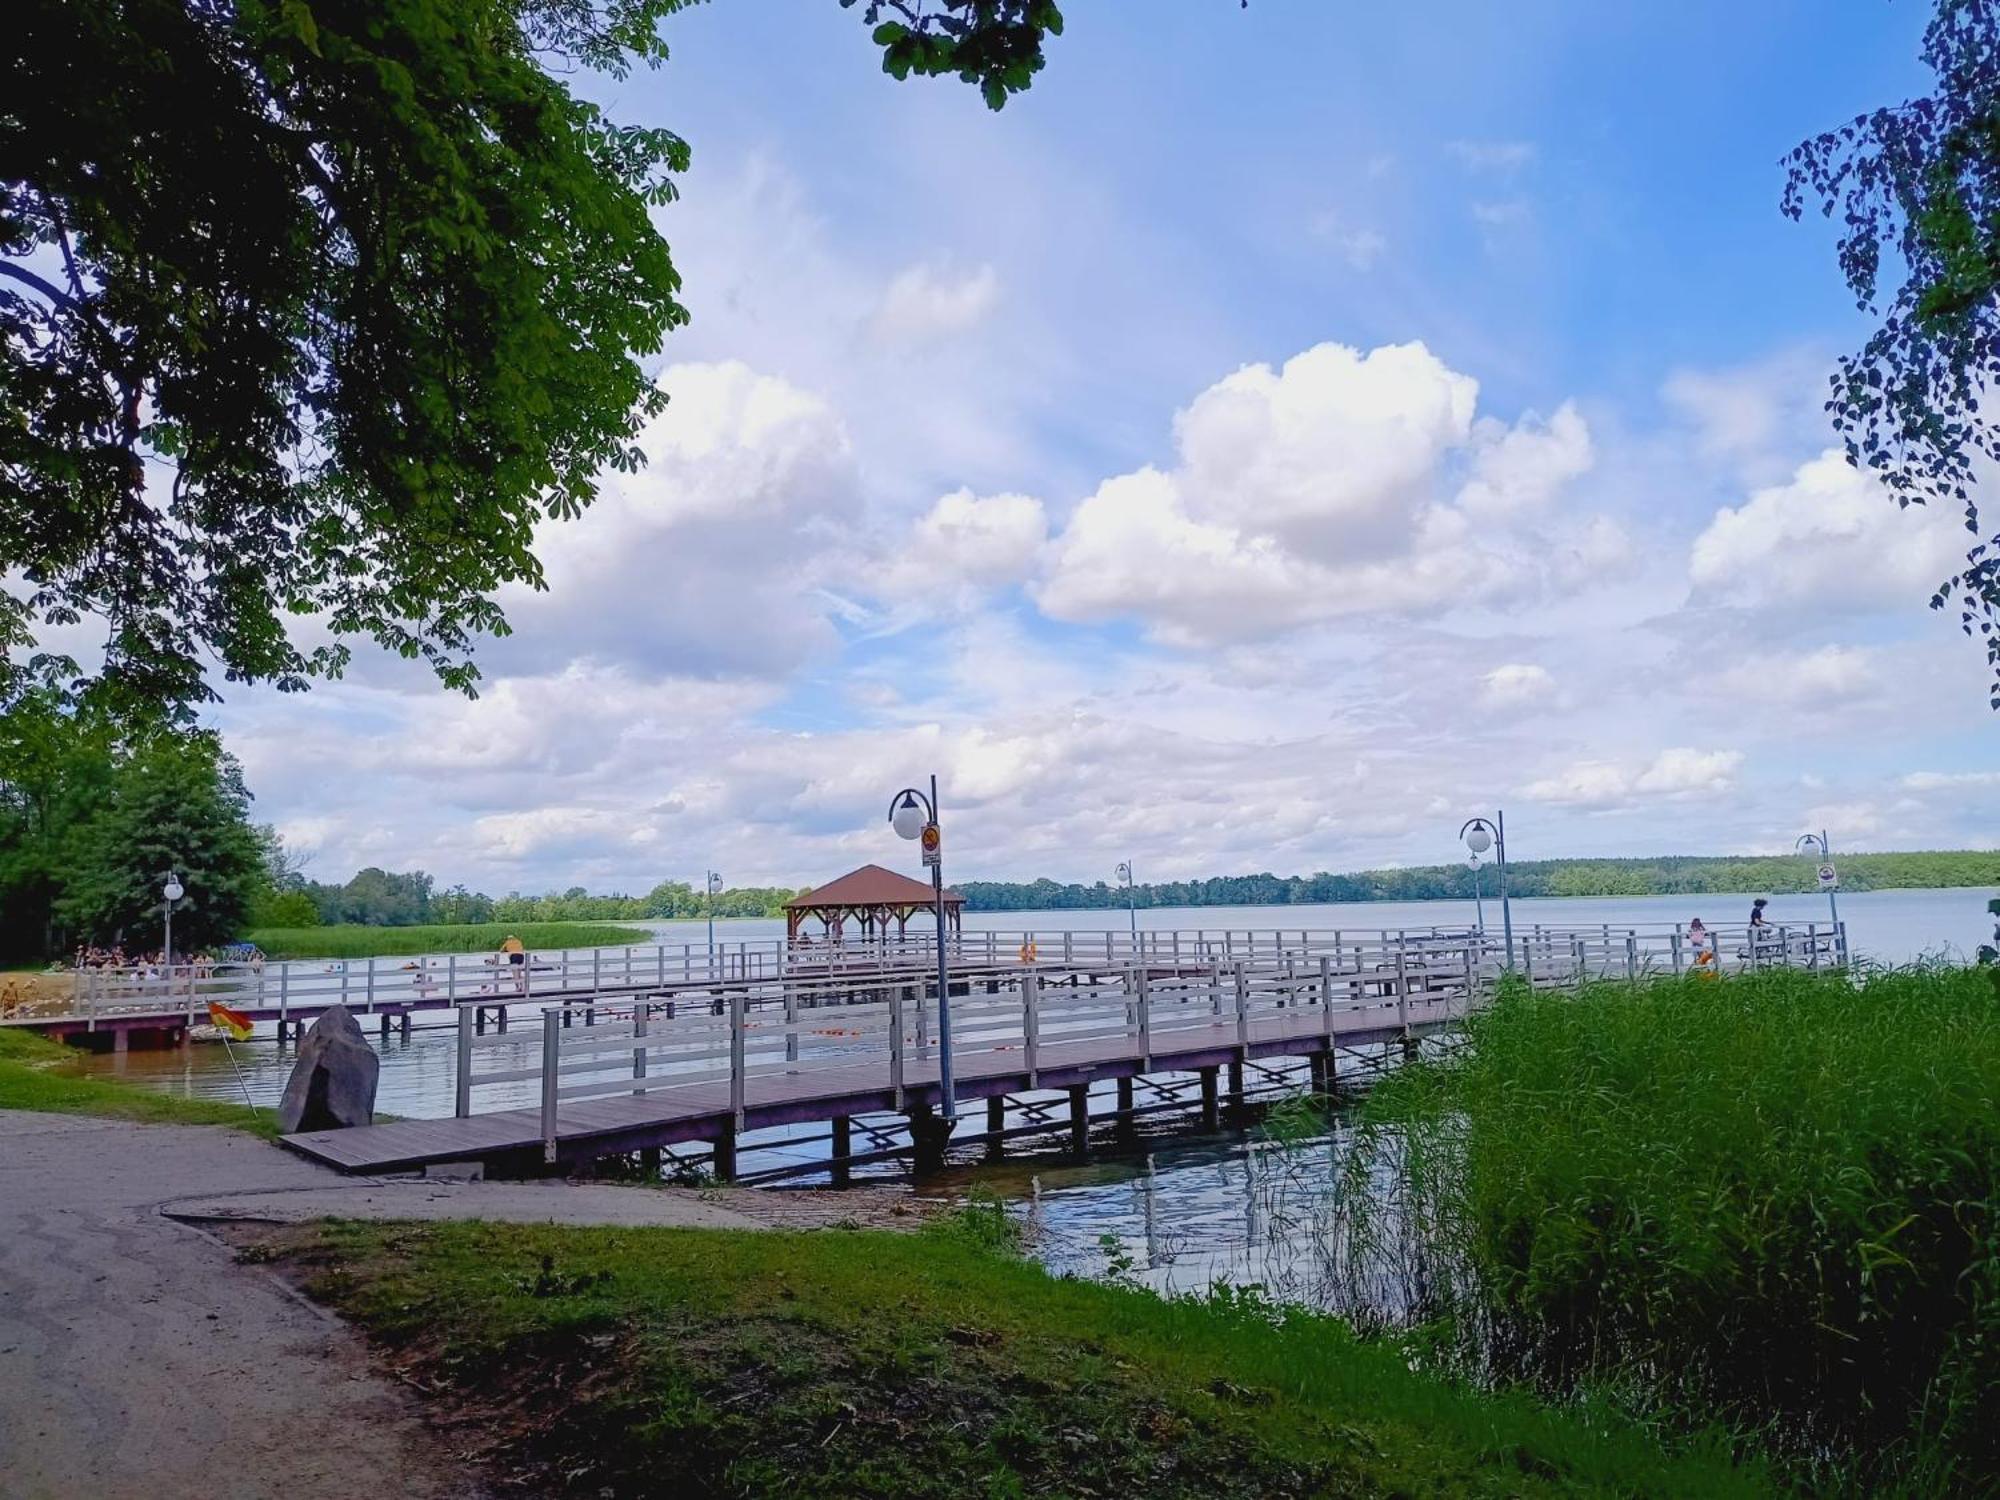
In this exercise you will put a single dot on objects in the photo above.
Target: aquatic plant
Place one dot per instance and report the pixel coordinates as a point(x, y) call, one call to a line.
point(1767, 1202)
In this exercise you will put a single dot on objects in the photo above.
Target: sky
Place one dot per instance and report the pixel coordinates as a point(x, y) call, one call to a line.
point(1284, 432)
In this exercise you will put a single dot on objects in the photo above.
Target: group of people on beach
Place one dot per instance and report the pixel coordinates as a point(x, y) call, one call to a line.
point(151, 965)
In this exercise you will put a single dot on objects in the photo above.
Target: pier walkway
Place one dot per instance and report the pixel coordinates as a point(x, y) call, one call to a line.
point(651, 1072)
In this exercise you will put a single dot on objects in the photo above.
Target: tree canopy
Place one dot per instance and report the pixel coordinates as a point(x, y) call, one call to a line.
point(1918, 185)
point(311, 309)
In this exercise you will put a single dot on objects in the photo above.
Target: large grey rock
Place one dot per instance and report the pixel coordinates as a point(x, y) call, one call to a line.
point(333, 1083)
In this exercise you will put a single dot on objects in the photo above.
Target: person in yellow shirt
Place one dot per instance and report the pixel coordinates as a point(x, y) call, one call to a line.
point(517, 955)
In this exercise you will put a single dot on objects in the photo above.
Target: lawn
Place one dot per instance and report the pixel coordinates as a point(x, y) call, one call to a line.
point(36, 1073)
point(357, 941)
point(612, 1362)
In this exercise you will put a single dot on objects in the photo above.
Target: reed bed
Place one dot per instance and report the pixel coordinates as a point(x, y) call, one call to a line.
point(1765, 1203)
point(357, 941)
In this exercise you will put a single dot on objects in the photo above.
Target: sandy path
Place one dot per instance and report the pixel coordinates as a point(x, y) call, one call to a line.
point(139, 1362)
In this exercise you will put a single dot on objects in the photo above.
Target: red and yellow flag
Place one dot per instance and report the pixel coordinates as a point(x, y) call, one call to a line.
point(234, 1022)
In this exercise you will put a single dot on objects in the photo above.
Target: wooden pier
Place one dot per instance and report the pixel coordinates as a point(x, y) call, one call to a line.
point(652, 1073)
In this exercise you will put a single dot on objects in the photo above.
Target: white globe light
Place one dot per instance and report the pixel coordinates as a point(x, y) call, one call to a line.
point(173, 891)
point(907, 818)
point(1477, 839)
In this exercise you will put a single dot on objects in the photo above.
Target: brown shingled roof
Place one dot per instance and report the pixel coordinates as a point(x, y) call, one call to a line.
point(871, 885)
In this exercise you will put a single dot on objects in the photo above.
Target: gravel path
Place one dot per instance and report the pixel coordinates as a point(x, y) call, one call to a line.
point(139, 1362)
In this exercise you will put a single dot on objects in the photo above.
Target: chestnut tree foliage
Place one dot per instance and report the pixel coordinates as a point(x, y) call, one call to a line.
point(311, 309)
point(1916, 187)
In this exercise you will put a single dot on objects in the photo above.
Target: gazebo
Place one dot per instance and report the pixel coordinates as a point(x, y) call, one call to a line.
point(869, 896)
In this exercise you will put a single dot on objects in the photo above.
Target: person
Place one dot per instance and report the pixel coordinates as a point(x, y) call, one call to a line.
point(1757, 918)
point(517, 955)
point(1702, 942)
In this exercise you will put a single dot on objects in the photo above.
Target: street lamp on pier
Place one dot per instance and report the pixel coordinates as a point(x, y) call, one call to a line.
point(915, 816)
point(1481, 835)
point(1478, 897)
point(1131, 897)
point(1816, 848)
point(173, 890)
point(714, 885)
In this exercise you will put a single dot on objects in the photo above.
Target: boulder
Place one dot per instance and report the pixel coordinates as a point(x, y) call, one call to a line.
point(333, 1083)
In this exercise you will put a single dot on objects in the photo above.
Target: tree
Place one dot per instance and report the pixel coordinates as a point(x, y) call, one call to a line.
point(55, 768)
point(284, 909)
point(1920, 182)
point(173, 803)
point(316, 307)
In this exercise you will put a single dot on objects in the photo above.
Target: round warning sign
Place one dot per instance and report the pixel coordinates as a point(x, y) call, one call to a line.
point(1828, 879)
point(931, 842)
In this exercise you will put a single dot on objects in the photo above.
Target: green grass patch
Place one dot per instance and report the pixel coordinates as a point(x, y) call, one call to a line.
point(36, 1073)
point(1767, 1202)
point(358, 941)
point(841, 1363)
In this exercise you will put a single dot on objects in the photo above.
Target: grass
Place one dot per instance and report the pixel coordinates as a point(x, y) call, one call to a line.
point(36, 1073)
point(609, 1362)
point(344, 941)
point(1767, 1202)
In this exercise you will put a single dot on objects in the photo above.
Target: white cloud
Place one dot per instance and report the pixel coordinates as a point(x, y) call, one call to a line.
point(928, 301)
point(1672, 774)
point(1500, 157)
point(967, 540)
point(1950, 781)
point(1517, 685)
point(1501, 213)
point(707, 559)
point(1830, 539)
point(1828, 677)
point(1317, 491)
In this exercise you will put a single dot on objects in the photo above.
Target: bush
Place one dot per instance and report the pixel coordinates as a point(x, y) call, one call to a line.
point(1768, 1201)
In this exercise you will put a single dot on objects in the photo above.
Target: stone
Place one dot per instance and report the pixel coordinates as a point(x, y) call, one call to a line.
point(333, 1083)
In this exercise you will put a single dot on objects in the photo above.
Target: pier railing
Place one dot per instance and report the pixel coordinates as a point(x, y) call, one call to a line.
point(885, 1034)
point(762, 969)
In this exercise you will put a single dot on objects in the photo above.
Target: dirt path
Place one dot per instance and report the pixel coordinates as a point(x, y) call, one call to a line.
point(139, 1362)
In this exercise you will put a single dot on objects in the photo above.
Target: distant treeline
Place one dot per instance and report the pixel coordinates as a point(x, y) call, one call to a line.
point(409, 898)
point(1670, 875)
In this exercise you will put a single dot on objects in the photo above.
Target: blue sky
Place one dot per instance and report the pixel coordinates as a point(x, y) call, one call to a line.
point(1279, 434)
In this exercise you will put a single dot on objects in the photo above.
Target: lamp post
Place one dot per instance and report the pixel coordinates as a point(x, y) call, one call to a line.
point(714, 885)
point(915, 816)
point(1478, 899)
point(1815, 846)
point(1131, 897)
point(1479, 836)
point(173, 890)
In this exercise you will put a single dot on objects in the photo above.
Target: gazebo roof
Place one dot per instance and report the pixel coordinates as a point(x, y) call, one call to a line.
point(871, 885)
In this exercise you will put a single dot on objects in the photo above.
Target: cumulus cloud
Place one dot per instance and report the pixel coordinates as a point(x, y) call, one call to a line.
point(1672, 774)
point(1950, 781)
point(1830, 676)
point(964, 542)
point(1830, 538)
point(1326, 488)
point(928, 301)
point(707, 559)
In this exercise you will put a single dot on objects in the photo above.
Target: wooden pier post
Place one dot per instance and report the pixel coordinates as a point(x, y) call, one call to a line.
point(1235, 1086)
point(404, 1027)
point(843, 1150)
point(725, 1154)
point(1211, 1113)
point(929, 1134)
point(502, 1019)
point(996, 1124)
point(1079, 1119)
point(1124, 1120)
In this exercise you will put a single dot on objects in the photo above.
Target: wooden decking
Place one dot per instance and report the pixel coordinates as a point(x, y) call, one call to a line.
point(701, 1110)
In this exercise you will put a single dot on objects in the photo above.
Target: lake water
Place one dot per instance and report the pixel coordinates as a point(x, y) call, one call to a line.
point(1180, 1211)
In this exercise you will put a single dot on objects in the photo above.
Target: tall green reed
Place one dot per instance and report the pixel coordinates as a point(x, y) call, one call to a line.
point(1766, 1202)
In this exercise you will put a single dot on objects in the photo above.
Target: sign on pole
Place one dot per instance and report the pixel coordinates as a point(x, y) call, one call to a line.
point(1829, 879)
point(932, 843)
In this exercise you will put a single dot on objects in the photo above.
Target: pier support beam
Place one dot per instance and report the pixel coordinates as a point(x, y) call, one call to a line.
point(843, 1150)
point(1211, 1113)
point(1125, 1120)
point(479, 1020)
point(930, 1135)
point(503, 1018)
point(1235, 1086)
point(405, 1028)
point(649, 1160)
point(1079, 1118)
point(386, 1019)
point(725, 1155)
point(996, 1122)
point(1316, 1071)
